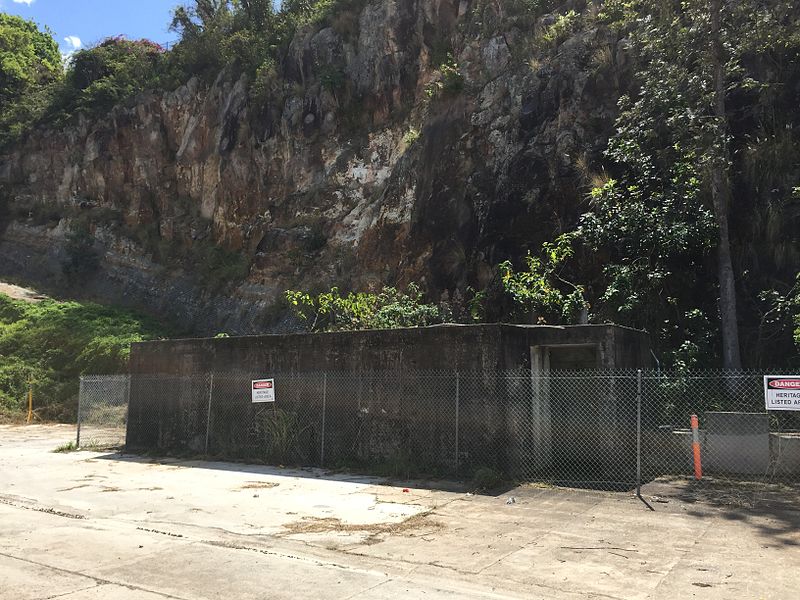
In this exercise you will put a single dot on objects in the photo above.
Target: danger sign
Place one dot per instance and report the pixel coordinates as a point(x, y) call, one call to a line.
point(263, 390)
point(782, 392)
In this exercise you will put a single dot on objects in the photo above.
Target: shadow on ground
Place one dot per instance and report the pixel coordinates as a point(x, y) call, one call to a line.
point(773, 508)
point(314, 473)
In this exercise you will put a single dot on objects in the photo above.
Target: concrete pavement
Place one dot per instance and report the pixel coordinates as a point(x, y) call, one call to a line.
point(96, 525)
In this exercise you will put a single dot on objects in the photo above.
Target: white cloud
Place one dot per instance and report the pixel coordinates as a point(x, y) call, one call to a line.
point(28, 2)
point(73, 41)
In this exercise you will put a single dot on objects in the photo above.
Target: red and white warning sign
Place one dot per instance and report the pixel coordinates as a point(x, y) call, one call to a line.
point(263, 390)
point(782, 392)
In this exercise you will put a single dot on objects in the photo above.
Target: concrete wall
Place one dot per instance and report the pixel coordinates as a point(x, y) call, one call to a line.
point(505, 423)
point(668, 451)
point(445, 347)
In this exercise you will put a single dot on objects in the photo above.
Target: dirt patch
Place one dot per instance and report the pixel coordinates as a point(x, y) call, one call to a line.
point(20, 293)
point(259, 485)
point(331, 525)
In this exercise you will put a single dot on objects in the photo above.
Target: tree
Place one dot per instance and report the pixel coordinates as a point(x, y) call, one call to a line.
point(203, 15)
point(260, 13)
point(663, 219)
point(721, 197)
point(28, 58)
point(30, 63)
point(216, 33)
point(203, 26)
point(116, 69)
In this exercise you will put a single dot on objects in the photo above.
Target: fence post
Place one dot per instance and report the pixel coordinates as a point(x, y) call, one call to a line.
point(80, 394)
point(458, 393)
point(208, 414)
point(324, 405)
point(128, 378)
point(639, 433)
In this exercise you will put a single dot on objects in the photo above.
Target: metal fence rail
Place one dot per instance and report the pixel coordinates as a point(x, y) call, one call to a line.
point(588, 429)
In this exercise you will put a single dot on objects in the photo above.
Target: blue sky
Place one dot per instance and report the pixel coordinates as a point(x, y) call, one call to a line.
point(83, 23)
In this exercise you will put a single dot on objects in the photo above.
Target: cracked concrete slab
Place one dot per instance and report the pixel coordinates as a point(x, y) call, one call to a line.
point(25, 580)
point(88, 525)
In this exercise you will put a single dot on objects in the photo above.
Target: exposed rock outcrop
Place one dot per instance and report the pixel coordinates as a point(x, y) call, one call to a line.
point(363, 164)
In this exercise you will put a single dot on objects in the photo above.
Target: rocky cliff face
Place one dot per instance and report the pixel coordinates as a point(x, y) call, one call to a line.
point(364, 162)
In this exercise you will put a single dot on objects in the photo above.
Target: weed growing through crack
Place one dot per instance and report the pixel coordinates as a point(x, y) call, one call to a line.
point(68, 447)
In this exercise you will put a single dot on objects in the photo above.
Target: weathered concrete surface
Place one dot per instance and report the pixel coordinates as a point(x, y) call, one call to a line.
point(87, 525)
point(372, 415)
point(480, 347)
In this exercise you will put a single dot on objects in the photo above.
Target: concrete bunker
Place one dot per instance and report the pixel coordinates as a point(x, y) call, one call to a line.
point(452, 397)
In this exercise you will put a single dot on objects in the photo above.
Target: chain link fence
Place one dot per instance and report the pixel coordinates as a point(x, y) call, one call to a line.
point(103, 411)
point(590, 429)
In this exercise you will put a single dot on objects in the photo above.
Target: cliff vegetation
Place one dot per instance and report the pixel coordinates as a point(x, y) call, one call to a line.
point(628, 161)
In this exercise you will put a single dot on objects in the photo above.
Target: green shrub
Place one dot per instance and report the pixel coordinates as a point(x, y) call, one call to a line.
point(411, 136)
point(266, 76)
point(528, 7)
point(450, 82)
point(67, 447)
point(540, 293)
point(250, 34)
point(28, 57)
point(330, 77)
point(559, 31)
point(486, 478)
point(44, 213)
point(388, 309)
point(282, 431)
point(618, 14)
point(52, 343)
point(99, 78)
point(401, 464)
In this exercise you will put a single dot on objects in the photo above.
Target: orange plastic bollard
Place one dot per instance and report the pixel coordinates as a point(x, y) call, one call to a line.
point(698, 467)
